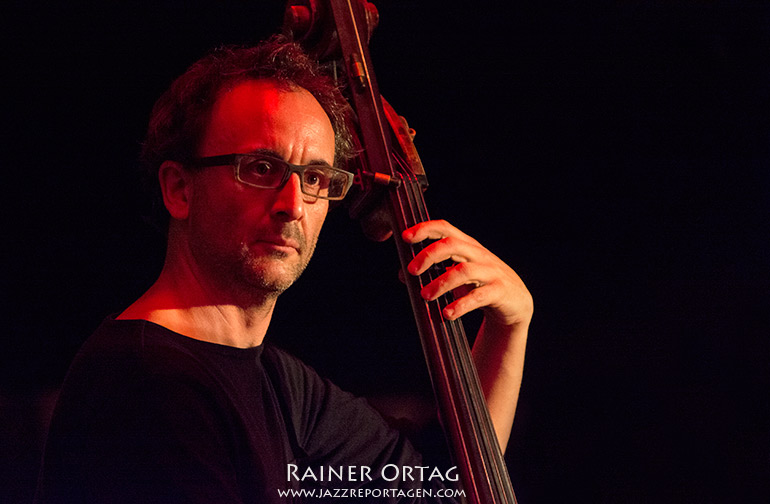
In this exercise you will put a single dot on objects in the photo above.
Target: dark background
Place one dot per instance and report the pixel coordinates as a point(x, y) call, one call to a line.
point(615, 154)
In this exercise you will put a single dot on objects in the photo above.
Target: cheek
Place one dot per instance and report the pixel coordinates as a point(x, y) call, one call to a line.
point(216, 211)
point(316, 215)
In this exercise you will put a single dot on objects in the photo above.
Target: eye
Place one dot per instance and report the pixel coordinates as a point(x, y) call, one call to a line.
point(315, 178)
point(260, 168)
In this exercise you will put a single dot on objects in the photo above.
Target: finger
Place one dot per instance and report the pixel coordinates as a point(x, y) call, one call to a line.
point(456, 249)
point(459, 275)
point(477, 298)
point(433, 230)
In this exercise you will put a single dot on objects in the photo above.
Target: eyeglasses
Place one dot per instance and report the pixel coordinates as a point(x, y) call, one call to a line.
point(269, 172)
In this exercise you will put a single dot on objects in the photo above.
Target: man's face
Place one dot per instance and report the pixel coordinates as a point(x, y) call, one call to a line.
point(247, 238)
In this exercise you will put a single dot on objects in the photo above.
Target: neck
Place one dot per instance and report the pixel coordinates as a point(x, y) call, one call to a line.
point(182, 301)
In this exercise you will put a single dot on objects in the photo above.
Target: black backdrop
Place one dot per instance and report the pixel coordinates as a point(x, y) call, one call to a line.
point(616, 155)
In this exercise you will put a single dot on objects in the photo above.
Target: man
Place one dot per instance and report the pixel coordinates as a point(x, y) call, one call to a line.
point(178, 398)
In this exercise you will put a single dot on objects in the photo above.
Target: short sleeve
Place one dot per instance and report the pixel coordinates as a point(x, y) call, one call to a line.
point(333, 428)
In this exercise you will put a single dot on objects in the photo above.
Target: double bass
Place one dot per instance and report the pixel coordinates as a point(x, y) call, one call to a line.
point(391, 179)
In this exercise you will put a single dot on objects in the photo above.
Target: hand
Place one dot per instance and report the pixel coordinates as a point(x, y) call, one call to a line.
point(479, 279)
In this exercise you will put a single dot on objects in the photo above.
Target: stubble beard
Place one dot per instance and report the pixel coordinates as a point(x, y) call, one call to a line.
point(249, 277)
point(270, 275)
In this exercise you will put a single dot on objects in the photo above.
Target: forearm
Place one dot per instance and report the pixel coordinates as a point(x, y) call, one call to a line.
point(480, 280)
point(498, 353)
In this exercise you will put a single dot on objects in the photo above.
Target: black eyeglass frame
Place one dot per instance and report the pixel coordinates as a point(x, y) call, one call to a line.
point(235, 160)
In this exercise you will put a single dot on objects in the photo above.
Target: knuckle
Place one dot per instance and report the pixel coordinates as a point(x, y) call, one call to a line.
point(450, 242)
point(463, 269)
point(442, 283)
point(429, 254)
point(466, 304)
point(479, 295)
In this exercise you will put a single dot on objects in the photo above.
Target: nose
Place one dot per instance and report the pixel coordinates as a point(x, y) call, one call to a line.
point(289, 202)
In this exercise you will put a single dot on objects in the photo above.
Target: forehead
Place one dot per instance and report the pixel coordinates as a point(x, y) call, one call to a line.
point(265, 114)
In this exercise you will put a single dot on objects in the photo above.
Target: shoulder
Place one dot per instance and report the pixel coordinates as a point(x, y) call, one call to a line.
point(139, 409)
point(132, 377)
point(121, 350)
point(130, 363)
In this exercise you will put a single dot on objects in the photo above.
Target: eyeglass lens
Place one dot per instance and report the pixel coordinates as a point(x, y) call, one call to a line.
point(316, 180)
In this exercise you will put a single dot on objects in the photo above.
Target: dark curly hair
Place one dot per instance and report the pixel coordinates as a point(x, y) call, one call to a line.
point(179, 117)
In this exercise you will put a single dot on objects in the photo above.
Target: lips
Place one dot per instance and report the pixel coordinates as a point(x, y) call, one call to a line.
point(285, 236)
point(282, 241)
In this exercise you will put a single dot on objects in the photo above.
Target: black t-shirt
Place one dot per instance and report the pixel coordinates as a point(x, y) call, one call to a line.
point(149, 415)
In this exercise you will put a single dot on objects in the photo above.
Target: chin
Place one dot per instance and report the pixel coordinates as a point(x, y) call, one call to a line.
point(270, 273)
point(272, 278)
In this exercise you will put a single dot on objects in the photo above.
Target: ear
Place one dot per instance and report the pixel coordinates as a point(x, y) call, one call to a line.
point(175, 187)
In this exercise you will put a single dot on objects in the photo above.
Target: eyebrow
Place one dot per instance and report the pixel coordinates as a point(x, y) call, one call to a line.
point(272, 153)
